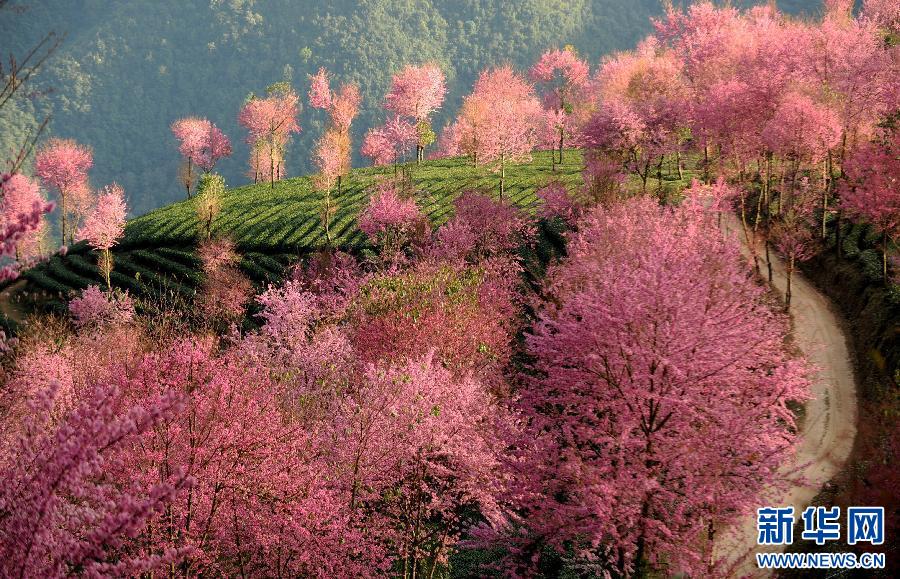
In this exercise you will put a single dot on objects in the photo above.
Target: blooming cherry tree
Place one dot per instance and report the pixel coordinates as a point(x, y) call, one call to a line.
point(201, 144)
point(105, 226)
point(270, 122)
point(62, 165)
point(416, 92)
point(564, 78)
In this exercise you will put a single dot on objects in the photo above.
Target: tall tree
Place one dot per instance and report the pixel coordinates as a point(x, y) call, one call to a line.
point(416, 92)
point(21, 198)
point(63, 165)
point(872, 189)
point(106, 226)
point(270, 122)
point(654, 421)
point(511, 114)
point(202, 144)
point(564, 78)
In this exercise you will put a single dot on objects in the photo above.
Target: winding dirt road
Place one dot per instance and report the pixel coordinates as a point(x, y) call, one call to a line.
point(830, 425)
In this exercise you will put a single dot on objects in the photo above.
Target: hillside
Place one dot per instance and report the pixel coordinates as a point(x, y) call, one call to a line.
point(127, 70)
point(273, 228)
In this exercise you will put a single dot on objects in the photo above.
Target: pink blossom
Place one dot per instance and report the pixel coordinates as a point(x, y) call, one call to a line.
point(556, 202)
point(97, 309)
point(106, 225)
point(62, 165)
point(615, 433)
point(378, 146)
point(201, 142)
point(20, 197)
point(270, 122)
point(416, 91)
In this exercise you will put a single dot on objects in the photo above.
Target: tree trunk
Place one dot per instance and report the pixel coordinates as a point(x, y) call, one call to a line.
point(190, 178)
point(659, 178)
point(502, 175)
point(62, 224)
point(827, 192)
point(678, 164)
point(747, 236)
point(107, 266)
point(561, 136)
point(884, 257)
point(837, 232)
point(768, 260)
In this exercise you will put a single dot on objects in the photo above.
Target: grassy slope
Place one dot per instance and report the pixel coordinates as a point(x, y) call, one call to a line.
point(275, 227)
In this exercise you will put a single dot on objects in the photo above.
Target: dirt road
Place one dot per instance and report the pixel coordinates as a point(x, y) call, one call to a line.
point(830, 424)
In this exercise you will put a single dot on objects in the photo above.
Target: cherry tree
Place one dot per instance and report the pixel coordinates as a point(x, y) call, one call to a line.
point(872, 189)
point(60, 513)
point(392, 223)
point(21, 196)
point(225, 291)
point(793, 233)
point(95, 309)
point(106, 226)
point(511, 116)
point(263, 497)
point(62, 165)
point(884, 12)
point(564, 78)
point(378, 146)
point(16, 225)
point(270, 122)
point(417, 92)
point(556, 202)
point(333, 151)
point(421, 443)
point(645, 385)
point(803, 133)
point(201, 144)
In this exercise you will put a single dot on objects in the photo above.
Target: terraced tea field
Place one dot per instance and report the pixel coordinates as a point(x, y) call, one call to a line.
point(274, 227)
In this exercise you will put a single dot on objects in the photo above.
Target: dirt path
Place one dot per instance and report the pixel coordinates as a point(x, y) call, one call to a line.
point(7, 306)
point(830, 424)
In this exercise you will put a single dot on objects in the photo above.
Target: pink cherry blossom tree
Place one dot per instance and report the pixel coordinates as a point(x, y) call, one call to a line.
point(645, 386)
point(333, 151)
point(20, 197)
point(106, 226)
point(872, 189)
point(392, 223)
point(511, 116)
point(225, 291)
point(201, 144)
point(793, 233)
point(62, 165)
point(416, 92)
point(17, 222)
point(564, 78)
point(270, 122)
point(95, 309)
point(378, 146)
point(60, 513)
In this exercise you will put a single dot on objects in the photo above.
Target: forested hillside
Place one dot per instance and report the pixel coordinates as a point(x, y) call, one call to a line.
point(127, 70)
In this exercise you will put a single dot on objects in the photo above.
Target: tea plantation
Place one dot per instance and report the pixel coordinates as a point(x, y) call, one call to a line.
point(275, 227)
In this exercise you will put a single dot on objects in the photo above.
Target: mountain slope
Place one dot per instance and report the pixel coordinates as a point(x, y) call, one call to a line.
point(128, 69)
point(274, 227)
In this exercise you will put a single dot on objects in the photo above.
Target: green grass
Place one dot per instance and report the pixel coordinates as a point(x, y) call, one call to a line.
point(274, 227)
